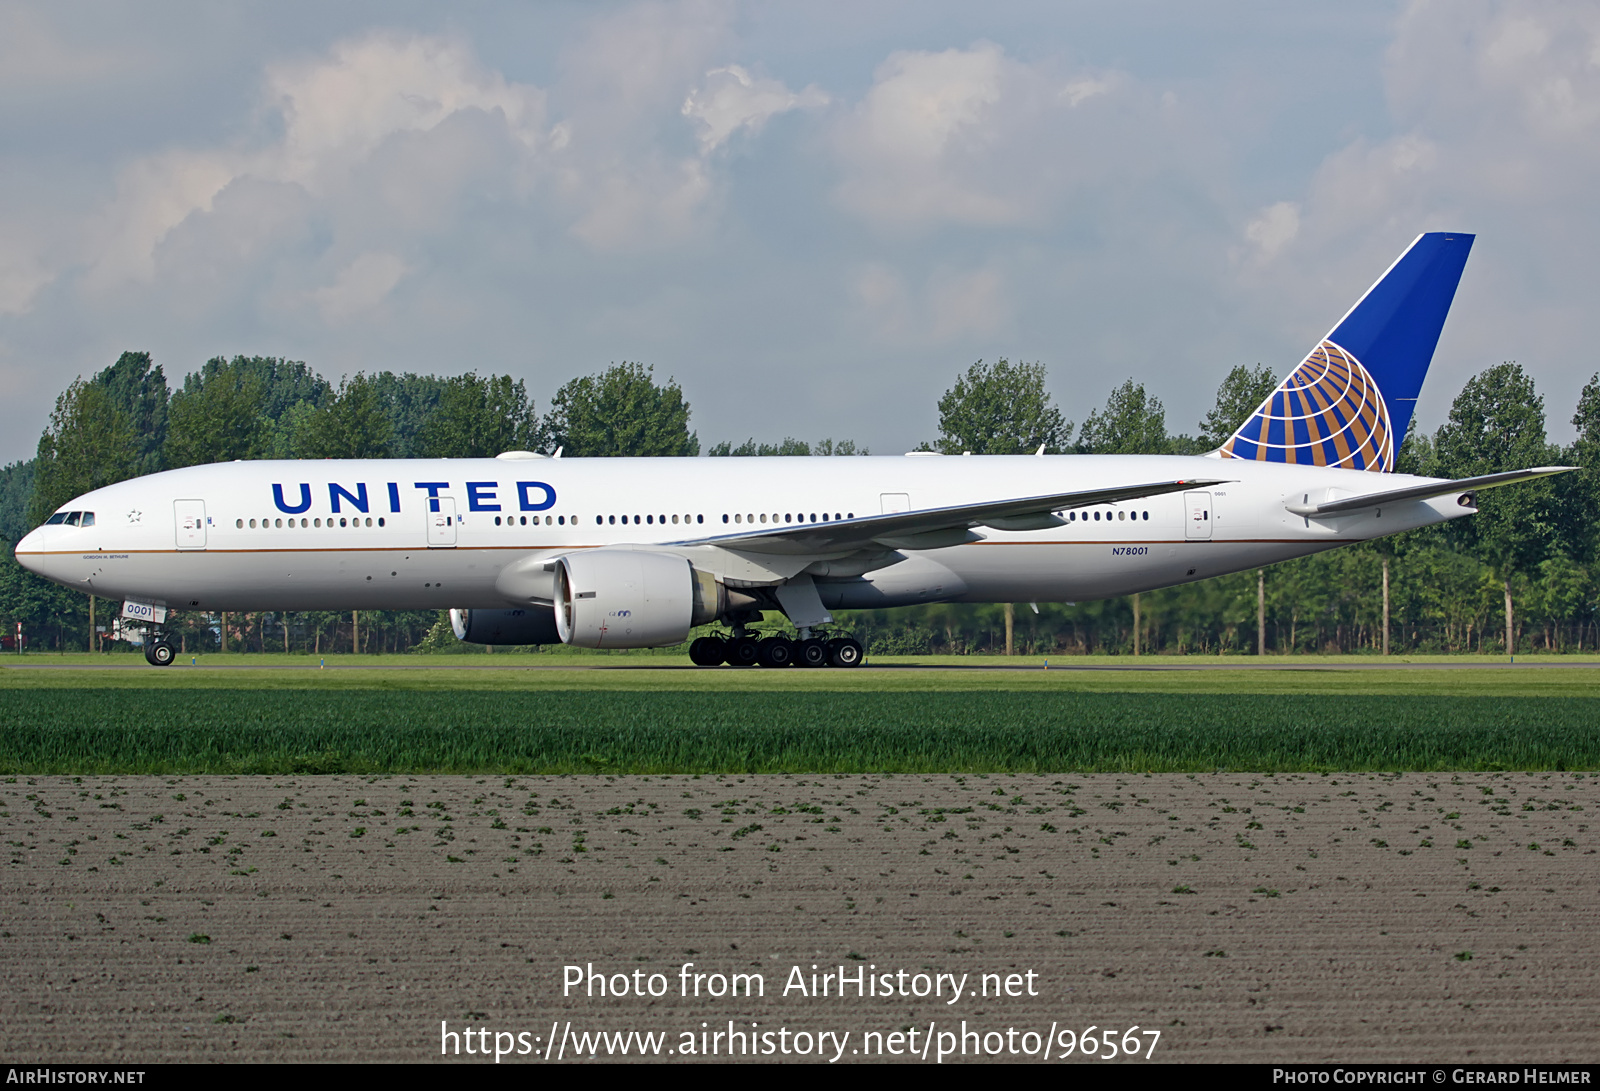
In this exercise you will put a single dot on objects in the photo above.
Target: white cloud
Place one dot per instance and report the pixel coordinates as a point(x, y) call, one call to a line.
point(731, 99)
point(967, 304)
point(22, 274)
point(630, 176)
point(35, 56)
point(1496, 116)
point(391, 135)
point(154, 195)
point(975, 137)
point(951, 306)
point(1273, 229)
point(340, 107)
point(341, 113)
point(360, 286)
point(1083, 89)
point(910, 145)
point(654, 203)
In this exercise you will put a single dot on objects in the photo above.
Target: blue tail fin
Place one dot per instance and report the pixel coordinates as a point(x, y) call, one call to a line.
point(1349, 402)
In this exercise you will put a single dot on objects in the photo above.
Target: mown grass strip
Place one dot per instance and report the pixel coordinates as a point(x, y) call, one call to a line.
point(174, 682)
point(319, 731)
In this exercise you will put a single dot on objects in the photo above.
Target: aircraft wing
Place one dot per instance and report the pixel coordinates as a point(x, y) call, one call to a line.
point(1424, 492)
point(932, 528)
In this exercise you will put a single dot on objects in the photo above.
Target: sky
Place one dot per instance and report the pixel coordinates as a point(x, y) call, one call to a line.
point(812, 216)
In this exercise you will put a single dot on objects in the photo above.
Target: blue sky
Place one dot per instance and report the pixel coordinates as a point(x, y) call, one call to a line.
point(813, 216)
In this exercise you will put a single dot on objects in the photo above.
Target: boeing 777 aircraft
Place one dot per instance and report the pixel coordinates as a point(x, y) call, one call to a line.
point(633, 553)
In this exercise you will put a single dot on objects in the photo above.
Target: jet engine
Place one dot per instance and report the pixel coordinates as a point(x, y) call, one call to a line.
point(619, 598)
point(532, 625)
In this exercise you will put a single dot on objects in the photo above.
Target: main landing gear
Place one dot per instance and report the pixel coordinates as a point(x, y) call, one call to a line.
point(776, 651)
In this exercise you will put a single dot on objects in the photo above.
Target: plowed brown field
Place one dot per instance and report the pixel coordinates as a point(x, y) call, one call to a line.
point(1414, 917)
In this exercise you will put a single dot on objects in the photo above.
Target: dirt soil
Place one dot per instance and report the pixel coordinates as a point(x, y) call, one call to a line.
point(1416, 917)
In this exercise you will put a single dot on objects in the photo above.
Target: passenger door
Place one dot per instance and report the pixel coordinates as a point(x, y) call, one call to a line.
point(442, 524)
point(189, 516)
point(1197, 516)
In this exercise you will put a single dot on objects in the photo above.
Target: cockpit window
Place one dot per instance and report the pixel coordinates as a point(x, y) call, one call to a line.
point(71, 519)
point(58, 517)
point(88, 519)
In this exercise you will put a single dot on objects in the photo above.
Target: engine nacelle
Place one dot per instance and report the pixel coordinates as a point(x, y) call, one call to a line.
point(621, 598)
point(530, 625)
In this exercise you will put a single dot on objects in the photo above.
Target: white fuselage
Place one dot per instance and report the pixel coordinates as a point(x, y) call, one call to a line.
point(340, 535)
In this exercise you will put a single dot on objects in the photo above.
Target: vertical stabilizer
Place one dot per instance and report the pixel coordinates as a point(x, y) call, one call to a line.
point(1350, 401)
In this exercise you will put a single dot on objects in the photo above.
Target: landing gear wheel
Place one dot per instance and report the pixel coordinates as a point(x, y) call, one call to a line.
point(159, 653)
point(812, 653)
point(708, 651)
point(845, 652)
point(744, 651)
point(777, 651)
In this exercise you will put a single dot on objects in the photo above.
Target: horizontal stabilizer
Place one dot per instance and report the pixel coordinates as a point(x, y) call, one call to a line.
point(1432, 489)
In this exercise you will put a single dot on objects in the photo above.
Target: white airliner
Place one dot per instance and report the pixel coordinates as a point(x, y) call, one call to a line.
point(630, 553)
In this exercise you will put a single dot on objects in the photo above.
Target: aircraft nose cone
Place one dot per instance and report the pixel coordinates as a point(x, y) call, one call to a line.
point(28, 545)
point(32, 553)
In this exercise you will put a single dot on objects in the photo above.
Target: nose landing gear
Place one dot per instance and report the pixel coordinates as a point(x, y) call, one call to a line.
point(158, 650)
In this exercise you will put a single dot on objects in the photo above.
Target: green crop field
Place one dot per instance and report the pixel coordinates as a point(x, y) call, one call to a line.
point(654, 717)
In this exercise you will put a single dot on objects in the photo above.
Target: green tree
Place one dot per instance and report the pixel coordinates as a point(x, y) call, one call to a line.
point(789, 446)
point(89, 443)
point(139, 389)
point(621, 411)
point(1000, 409)
point(16, 488)
point(1130, 424)
point(1416, 454)
point(411, 401)
point(354, 424)
point(479, 418)
point(291, 433)
point(284, 383)
point(291, 394)
point(1497, 423)
point(1240, 394)
point(43, 608)
point(1578, 494)
point(218, 416)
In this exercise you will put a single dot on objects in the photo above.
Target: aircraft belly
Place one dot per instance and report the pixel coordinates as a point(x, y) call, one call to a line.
point(1082, 571)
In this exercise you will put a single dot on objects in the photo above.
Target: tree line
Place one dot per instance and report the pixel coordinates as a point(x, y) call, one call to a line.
point(1519, 575)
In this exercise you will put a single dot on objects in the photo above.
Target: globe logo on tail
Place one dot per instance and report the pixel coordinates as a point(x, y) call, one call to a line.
point(1328, 412)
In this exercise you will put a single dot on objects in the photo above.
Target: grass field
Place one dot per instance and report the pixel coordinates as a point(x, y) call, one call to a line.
point(467, 716)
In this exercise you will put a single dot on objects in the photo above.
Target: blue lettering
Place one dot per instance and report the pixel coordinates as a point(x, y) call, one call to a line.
point(305, 499)
point(546, 504)
point(394, 496)
point(433, 488)
point(358, 498)
point(479, 493)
